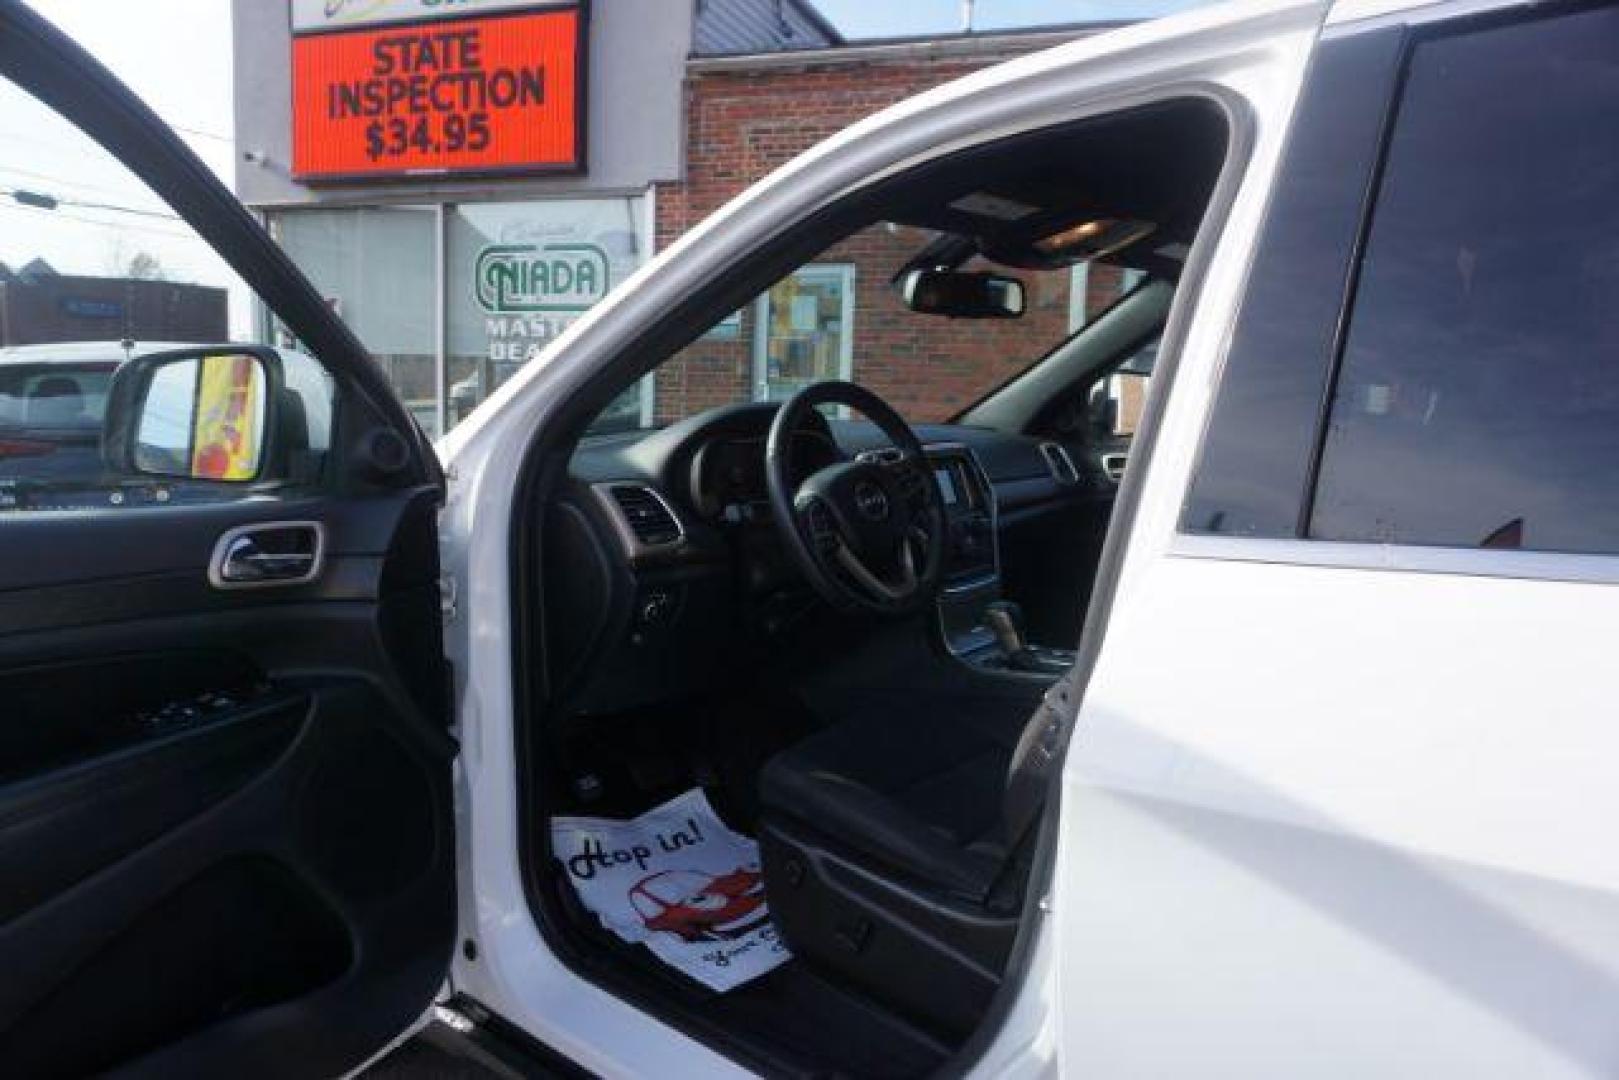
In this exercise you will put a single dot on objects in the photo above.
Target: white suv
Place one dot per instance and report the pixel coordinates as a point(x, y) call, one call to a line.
point(1219, 693)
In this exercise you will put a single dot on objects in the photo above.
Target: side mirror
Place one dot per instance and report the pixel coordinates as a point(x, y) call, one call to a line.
point(962, 295)
point(194, 414)
point(1106, 416)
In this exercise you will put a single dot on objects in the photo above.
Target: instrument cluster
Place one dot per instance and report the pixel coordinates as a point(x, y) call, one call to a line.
point(728, 474)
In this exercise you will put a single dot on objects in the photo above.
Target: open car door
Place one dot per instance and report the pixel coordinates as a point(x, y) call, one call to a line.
point(226, 842)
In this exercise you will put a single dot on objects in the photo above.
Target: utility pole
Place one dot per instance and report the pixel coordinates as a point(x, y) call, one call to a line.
point(966, 16)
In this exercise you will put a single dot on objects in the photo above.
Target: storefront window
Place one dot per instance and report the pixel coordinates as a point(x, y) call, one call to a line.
point(518, 274)
point(803, 331)
point(375, 266)
point(514, 276)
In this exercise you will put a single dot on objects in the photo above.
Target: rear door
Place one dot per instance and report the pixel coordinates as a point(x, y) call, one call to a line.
point(1341, 796)
point(225, 829)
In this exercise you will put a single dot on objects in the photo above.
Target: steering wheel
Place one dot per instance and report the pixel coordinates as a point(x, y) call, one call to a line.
point(867, 534)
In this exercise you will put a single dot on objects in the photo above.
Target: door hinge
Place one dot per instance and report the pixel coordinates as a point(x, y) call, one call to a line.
point(448, 597)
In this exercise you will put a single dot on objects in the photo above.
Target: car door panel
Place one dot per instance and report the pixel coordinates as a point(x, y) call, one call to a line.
point(60, 825)
point(233, 800)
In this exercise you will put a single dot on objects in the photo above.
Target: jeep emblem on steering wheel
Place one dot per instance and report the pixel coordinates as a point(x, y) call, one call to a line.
point(871, 500)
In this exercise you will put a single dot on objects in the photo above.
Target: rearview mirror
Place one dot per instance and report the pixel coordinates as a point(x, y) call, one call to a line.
point(962, 295)
point(194, 414)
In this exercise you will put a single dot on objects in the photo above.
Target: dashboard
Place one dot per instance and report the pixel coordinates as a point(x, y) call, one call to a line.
point(664, 568)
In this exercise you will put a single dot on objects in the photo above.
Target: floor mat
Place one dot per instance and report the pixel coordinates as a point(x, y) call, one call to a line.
point(678, 881)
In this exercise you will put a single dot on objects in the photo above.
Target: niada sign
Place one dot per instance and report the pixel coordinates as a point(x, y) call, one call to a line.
point(521, 273)
point(518, 279)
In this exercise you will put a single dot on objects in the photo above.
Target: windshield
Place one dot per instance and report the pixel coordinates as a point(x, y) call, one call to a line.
point(840, 316)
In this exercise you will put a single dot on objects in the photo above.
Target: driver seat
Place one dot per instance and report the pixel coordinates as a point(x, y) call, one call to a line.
point(895, 845)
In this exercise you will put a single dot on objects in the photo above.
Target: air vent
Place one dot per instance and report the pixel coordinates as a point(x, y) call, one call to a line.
point(1060, 464)
point(647, 515)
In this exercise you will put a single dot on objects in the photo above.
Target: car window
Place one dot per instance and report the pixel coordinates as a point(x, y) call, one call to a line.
point(51, 395)
point(840, 315)
point(1477, 402)
point(1115, 402)
point(97, 275)
point(1256, 466)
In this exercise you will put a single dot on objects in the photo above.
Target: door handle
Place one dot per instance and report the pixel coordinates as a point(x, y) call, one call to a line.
point(273, 553)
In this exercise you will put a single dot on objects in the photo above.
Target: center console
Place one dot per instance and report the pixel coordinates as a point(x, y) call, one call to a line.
point(980, 627)
point(971, 556)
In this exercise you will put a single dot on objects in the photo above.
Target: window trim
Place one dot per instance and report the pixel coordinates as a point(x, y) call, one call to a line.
point(1527, 565)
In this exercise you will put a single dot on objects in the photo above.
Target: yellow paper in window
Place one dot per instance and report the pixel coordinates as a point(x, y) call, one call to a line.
point(225, 436)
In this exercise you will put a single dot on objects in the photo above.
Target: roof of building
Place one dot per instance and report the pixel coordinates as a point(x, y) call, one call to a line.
point(731, 27)
point(36, 270)
point(987, 45)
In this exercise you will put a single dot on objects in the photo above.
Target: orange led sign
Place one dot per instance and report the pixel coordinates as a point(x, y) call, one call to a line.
point(501, 93)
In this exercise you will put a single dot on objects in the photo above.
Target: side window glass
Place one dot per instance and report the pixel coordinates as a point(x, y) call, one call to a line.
point(1115, 403)
point(1255, 468)
point(1113, 407)
point(1477, 402)
point(118, 387)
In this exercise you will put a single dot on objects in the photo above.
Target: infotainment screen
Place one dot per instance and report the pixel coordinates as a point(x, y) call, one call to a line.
point(947, 485)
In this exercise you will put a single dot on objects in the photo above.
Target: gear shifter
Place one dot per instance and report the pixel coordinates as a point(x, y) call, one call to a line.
point(1005, 619)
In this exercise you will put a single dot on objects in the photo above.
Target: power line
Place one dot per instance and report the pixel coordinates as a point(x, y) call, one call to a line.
point(189, 130)
point(120, 209)
point(80, 219)
point(203, 134)
point(63, 181)
point(42, 201)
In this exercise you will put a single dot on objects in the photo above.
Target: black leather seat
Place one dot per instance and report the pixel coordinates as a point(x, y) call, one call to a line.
point(893, 845)
point(913, 790)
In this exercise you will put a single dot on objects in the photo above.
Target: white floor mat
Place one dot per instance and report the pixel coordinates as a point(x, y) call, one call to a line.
point(679, 882)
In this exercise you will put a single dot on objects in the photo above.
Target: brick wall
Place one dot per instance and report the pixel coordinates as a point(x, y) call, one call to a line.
point(741, 124)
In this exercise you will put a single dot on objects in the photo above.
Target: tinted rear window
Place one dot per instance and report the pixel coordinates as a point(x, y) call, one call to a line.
point(1478, 395)
point(54, 396)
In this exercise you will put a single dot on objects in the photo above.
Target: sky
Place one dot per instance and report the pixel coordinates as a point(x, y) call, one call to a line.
point(176, 54)
point(898, 18)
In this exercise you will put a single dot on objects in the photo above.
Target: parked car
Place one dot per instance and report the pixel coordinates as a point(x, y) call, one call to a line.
point(51, 402)
point(1295, 763)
